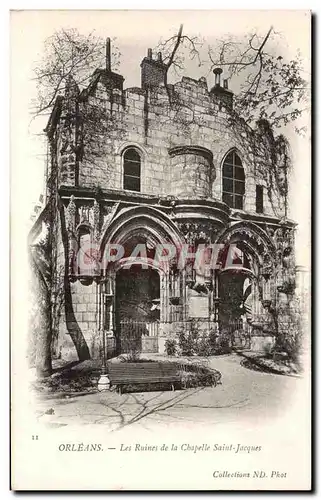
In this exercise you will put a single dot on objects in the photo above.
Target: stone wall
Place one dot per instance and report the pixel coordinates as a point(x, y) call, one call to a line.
point(85, 302)
point(182, 134)
point(147, 121)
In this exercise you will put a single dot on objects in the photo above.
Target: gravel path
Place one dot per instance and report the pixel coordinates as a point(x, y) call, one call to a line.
point(244, 394)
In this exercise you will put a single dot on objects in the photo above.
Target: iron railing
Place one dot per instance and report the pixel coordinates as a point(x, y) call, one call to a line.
point(239, 332)
point(142, 328)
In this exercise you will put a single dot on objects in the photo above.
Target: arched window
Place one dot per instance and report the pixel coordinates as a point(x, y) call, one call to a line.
point(132, 170)
point(233, 181)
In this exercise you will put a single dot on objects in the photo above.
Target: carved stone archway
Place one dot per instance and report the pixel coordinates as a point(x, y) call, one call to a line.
point(150, 227)
point(143, 218)
point(261, 252)
point(257, 240)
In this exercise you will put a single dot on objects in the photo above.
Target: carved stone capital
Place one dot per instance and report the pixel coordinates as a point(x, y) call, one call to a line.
point(95, 220)
point(198, 232)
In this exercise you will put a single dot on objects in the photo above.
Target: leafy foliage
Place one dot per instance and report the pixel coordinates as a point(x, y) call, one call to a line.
point(289, 331)
point(195, 341)
point(207, 344)
point(195, 375)
point(187, 339)
point(171, 347)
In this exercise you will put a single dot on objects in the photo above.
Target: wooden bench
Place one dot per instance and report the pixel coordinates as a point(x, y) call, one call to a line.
point(121, 374)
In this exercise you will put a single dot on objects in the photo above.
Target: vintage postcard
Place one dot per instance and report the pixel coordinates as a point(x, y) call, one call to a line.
point(160, 250)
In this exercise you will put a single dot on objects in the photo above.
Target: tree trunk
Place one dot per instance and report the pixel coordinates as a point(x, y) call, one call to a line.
point(73, 328)
point(42, 321)
point(44, 336)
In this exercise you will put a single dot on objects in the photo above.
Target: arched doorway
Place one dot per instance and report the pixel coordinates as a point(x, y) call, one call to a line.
point(138, 301)
point(137, 308)
point(245, 285)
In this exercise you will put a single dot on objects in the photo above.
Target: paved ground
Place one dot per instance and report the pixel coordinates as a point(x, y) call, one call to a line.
point(244, 394)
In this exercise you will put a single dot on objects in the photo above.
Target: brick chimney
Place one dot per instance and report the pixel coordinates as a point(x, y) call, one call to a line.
point(152, 70)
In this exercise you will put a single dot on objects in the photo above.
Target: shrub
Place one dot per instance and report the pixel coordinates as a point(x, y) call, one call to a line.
point(212, 338)
point(171, 347)
point(187, 340)
point(290, 341)
point(196, 375)
point(214, 344)
point(289, 329)
point(202, 343)
point(223, 344)
point(208, 344)
point(186, 343)
point(204, 347)
point(267, 349)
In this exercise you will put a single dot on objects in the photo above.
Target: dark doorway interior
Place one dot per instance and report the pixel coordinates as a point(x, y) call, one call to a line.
point(232, 312)
point(231, 295)
point(136, 288)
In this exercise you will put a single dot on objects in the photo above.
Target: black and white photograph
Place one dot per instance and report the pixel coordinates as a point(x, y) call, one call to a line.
point(160, 250)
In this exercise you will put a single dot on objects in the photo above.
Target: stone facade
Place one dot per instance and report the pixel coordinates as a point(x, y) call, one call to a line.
point(183, 134)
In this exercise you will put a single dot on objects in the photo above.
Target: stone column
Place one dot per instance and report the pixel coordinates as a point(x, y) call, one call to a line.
point(183, 294)
point(216, 295)
point(70, 215)
point(107, 313)
point(164, 311)
point(164, 297)
point(256, 300)
point(111, 338)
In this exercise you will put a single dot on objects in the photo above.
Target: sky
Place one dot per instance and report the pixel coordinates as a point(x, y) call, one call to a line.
point(135, 32)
